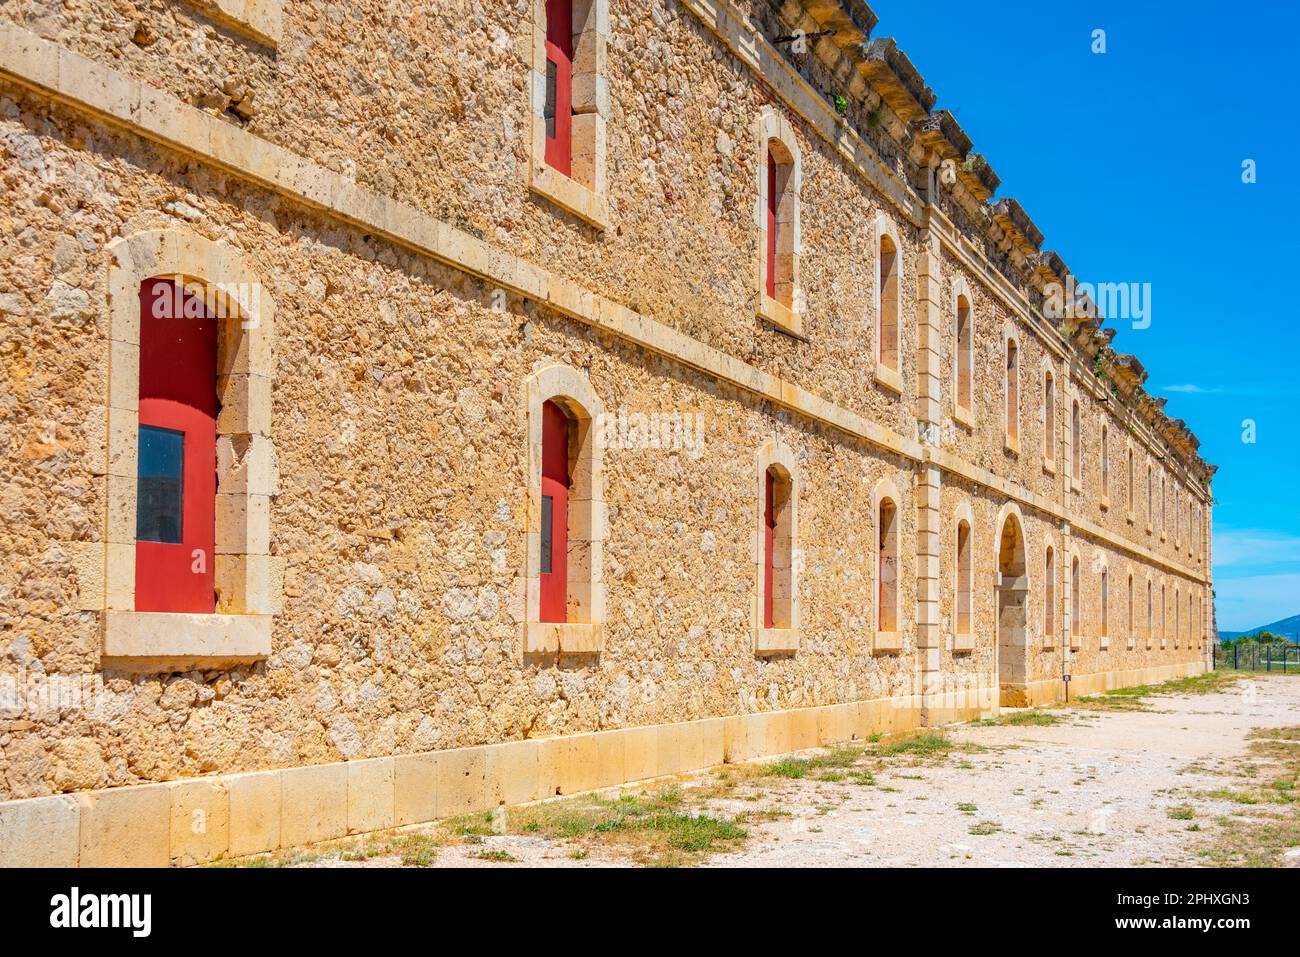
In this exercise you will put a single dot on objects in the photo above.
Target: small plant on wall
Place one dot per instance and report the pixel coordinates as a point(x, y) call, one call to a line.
point(841, 104)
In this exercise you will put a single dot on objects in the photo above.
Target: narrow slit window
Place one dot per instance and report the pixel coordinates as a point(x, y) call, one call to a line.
point(1049, 418)
point(1049, 593)
point(1013, 393)
point(1076, 443)
point(887, 279)
point(962, 589)
point(887, 592)
point(965, 364)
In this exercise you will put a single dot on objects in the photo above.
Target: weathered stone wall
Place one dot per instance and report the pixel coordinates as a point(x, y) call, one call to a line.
point(399, 414)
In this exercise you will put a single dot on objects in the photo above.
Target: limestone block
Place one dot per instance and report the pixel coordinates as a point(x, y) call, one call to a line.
point(255, 812)
point(313, 804)
point(512, 771)
point(126, 827)
point(40, 832)
point(461, 781)
point(735, 743)
point(415, 788)
point(576, 763)
point(610, 758)
point(200, 820)
point(370, 795)
point(803, 728)
point(713, 738)
point(671, 755)
point(640, 753)
point(834, 724)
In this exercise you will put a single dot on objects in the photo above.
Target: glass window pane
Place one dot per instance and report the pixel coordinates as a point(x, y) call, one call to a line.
point(547, 513)
point(549, 111)
point(161, 481)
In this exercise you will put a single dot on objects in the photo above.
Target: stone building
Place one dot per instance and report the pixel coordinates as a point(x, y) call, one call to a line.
point(595, 390)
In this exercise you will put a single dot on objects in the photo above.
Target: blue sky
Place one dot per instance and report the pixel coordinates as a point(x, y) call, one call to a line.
point(1130, 162)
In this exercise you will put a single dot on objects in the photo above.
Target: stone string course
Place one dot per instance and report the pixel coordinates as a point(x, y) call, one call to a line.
point(418, 283)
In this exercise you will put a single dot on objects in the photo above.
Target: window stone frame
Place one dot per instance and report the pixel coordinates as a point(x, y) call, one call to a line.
point(248, 577)
point(776, 641)
point(572, 390)
point(584, 193)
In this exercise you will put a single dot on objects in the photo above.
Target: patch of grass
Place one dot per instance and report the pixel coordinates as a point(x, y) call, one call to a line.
point(790, 768)
point(1031, 718)
point(984, 828)
point(471, 825)
point(1269, 822)
point(503, 857)
point(1131, 699)
point(967, 808)
point(843, 756)
point(926, 744)
point(654, 828)
point(1183, 812)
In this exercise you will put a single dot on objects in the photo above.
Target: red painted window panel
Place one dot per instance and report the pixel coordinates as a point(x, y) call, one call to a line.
point(178, 431)
point(769, 541)
point(555, 514)
point(559, 85)
point(771, 227)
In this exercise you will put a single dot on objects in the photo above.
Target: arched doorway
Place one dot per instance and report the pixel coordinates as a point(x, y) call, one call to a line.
point(1012, 604)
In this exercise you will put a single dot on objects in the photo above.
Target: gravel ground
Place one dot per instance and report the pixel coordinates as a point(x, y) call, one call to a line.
point(1099, 788)
point(1096, 790)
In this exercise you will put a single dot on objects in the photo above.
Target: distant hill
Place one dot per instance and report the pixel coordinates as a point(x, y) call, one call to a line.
point(1288, 628)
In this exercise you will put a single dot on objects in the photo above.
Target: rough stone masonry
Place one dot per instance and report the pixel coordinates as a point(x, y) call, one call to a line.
point(976, 500)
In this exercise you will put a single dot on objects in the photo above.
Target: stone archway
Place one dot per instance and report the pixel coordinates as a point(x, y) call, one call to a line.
point(1012, 605)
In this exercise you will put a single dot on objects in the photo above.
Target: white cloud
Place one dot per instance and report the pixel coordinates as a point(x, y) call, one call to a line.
point(1189, 388)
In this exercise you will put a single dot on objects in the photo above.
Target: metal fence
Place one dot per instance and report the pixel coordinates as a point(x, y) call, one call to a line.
point(1256, 656)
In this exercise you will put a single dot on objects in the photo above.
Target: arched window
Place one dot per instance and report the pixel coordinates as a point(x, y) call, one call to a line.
point(1128, 628)
point(964, 373)
point(963, 584)
point(887, 284)
point(1151, 626)
point(1049, 418)
point(176, 490)
point(779, 184)
point(1104, 624)
point(777, 619)
point(1178, 618)
point(1049, 593)
point(1105, 464)
point(1164, 621)
point(779, 261)
point(556, 480)
point(1076, 625)
point(564, 583)
point(1151, 510)
point(1076, 443)
point(777, 548)
point(1163, 510)
point(1128, 499)
point(188, 533)
point(1012, 394)
point(887, 570)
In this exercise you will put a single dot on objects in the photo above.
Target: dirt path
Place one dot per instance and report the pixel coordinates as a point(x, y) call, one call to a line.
point(1099, 789)
point(1067, 787)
